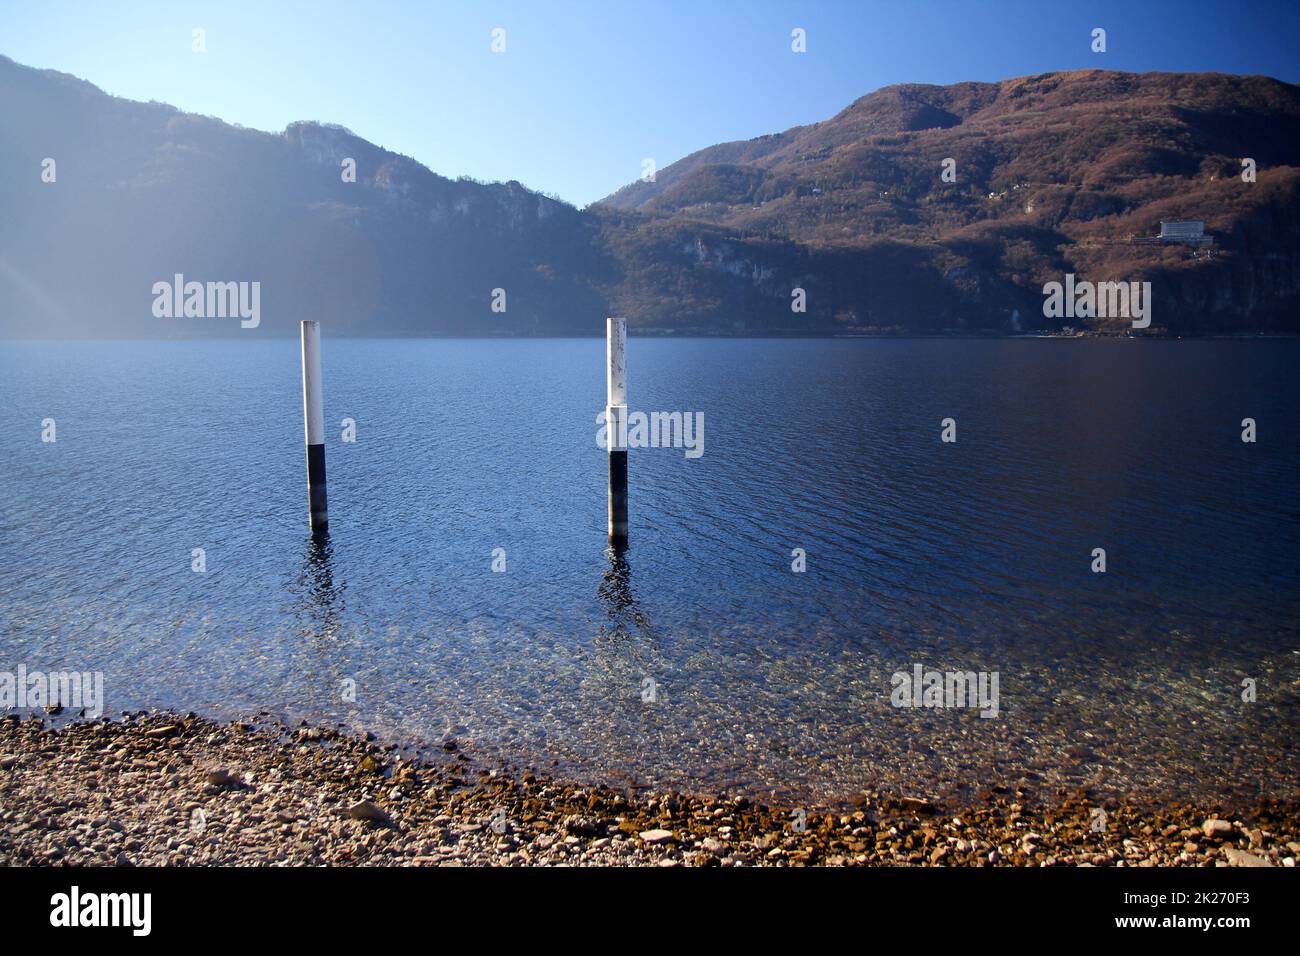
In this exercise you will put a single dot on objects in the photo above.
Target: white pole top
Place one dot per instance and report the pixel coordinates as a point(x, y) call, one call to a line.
point(616, 361)
point(313, 408)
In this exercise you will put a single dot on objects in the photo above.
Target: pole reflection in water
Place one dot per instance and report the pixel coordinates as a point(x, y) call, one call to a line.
point(626, 618)
point(318, 611)
point(320, 603)
point(636, 676)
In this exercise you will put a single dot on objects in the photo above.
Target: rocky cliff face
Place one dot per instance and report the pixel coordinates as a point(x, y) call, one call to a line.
point(851, 216)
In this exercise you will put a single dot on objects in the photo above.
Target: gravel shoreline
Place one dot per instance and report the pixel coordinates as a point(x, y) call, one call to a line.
point(164, 789)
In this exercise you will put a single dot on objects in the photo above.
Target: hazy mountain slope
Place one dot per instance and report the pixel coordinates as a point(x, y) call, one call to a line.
point(144, 191)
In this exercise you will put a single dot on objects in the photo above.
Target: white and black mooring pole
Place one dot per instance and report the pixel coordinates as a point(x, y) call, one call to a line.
point(313, 412)
point(616, 422)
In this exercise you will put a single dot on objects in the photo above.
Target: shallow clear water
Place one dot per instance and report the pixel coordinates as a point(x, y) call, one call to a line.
point(967, 556)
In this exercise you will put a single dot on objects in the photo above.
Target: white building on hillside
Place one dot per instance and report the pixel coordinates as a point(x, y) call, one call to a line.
point(1190, 231)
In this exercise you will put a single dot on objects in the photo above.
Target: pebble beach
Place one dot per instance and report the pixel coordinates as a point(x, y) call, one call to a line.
point(166, 789)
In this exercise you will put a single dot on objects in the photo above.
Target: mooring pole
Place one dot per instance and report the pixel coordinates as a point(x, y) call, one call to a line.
point(616, 420)
point(313, 411)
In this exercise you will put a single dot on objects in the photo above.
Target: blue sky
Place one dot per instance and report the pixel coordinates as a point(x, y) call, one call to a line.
point(585, 91)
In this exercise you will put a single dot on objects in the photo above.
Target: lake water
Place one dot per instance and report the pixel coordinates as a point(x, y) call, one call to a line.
point(973, 555)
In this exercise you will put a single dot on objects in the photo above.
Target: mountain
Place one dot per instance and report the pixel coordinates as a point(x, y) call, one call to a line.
point(1050, 171)
point(144, 191)
point(852, 210)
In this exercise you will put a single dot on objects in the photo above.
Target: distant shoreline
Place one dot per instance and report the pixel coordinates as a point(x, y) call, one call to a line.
point(672, 334)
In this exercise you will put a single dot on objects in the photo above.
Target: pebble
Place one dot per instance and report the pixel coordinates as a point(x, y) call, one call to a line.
point(1217, 829)
point(365, 810)
point(1242, 858)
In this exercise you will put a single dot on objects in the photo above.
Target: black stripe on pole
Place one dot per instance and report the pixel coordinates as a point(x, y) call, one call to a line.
point(618, 496)
point(316, 487)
